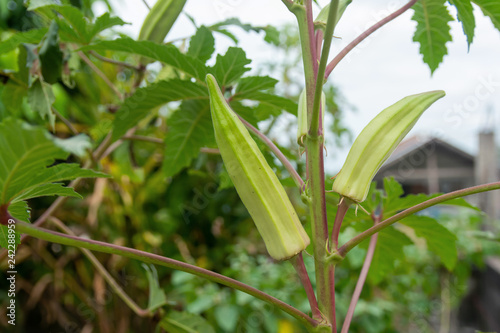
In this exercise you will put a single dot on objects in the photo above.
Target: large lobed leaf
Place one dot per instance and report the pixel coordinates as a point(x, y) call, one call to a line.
point(167, 54)
point(145, 99)
point(190, 128)
point(433, 31)
point(25, 157)
point(439, 239)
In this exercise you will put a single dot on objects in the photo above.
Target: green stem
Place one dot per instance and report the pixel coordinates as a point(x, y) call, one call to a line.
point(344, 249)
point(330, 26)
point(56, 237)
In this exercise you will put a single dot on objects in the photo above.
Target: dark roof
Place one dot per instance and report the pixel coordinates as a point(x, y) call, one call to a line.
point(413, 143)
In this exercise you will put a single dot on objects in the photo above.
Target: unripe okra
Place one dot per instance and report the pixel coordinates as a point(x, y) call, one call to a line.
point(303, 127)
point(254, 180)
point(160, 19)
point(376, 143)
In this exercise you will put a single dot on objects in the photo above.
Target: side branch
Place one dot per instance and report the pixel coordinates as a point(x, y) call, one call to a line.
point(364, 35)
point(407, 212)
point(56, 237)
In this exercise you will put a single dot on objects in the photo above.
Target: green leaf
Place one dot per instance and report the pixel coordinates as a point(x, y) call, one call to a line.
point(145, 99)
point(30, 37)
point(20, 211)
point(439, 239)
point(184, 322)
point(202, 44)
point(389, 249)
point(252, 84)
point(465, 14)
point(102, 23)
point(44, 190)
point(269, 103)
point(157, 297)
point(231, 66)
point(50, 55)
point(227, 316)
point(433, 31)
point(12, 97)
point(167, 54)
point(77, 144)
point(74, 25)
point(190, 128)
point(40, 99)
point(490, 8)
point(26, 153)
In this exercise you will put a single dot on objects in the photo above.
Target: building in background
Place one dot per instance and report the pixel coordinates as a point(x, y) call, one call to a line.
point(431, 165)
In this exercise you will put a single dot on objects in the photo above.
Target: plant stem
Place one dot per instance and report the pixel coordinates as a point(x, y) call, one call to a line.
point(286, 163)
point(325, 273)
point(105, 274)
point(339, 218)
point(56, 237)
point(364, 35)
point(330, 26)
point(344, 249)
point(116, 62)
point(100, 74)
point(300, 268)
point(361, 280)
point(66, 122)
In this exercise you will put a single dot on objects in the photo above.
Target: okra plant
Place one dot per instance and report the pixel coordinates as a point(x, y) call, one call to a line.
point(80, 106)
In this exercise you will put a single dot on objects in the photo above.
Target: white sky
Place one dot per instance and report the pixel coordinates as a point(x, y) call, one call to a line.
point(382, 70)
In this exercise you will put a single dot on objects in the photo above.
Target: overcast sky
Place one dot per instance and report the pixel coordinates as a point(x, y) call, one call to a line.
point(382, 70)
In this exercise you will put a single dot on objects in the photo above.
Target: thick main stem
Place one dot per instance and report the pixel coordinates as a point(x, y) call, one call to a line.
point(56, 237)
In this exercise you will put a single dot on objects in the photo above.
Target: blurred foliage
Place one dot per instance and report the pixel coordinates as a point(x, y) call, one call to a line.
point(195, 215)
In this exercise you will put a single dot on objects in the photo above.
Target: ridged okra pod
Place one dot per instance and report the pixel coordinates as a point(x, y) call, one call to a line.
point(303, 125)
point(160, 20)
point(255, 181)
point(376, 143)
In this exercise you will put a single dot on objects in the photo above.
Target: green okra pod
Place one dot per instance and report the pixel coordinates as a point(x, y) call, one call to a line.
point(255, 181)
point(376, 143)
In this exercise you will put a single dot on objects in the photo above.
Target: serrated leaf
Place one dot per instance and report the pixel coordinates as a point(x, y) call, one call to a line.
point(26, 153)
point(439, 239)
point(30, 37)
point(465, 14)
point(251, 84)
point(167, 54)
point(190, 128)
point(157, 297)
point(269, 103)
point(230, 66)
point(51, 56)
point(389, 249)
point(184, 322)
point(202, 44)
point(145, 99)
point(40, 99)
point(433, 31)
point(44, 190)
point(12, 97)
point(74, 25)
point(490, 8)
point(20, 211)
point(102, 23)
point(248, 113)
